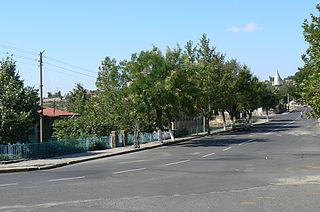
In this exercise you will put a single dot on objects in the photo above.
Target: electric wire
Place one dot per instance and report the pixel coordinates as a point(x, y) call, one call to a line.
point(63, 68)
point(54, 70)
point(18, 49)
point(24, 51)
point(18, 56)
point(68, 74)
point(69, 64)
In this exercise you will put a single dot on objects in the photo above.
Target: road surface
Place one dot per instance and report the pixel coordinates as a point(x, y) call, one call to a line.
point(273, 167)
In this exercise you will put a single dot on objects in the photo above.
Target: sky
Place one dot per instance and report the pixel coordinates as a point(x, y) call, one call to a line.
point(76, 35)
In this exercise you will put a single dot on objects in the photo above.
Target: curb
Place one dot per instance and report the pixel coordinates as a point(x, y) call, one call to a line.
point(106, 155)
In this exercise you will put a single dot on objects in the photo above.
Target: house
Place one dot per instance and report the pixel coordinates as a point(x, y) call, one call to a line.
point(49, 116)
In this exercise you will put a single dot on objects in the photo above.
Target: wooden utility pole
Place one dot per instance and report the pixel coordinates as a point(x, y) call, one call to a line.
point(41, 99)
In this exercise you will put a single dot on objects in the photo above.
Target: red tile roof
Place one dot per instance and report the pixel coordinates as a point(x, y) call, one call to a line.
point(53, 112)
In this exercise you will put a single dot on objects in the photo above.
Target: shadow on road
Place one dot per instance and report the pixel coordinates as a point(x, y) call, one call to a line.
point(216, 142)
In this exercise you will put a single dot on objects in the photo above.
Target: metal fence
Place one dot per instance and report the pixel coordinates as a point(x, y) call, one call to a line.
point(54, 148)
point(148, 137)
point(69, 146)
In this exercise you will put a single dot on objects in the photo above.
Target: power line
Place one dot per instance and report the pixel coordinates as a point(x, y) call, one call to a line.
point(18, 56)
point(66, 69)
point(54, 70)
point(68, 74)
point(35, 65)
point(18, 49)
point(50, 58)
point(71, 65)
point(24, 51)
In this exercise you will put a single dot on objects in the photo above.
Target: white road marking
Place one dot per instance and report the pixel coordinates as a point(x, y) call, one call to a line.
point(48, 204)
point(132, 161)
point(68, 178)
point(207, 155)
point(130, 170)
point(227, 149)
point(9, 184)
point(175, 163)
point(246, 142)
point(194, 153)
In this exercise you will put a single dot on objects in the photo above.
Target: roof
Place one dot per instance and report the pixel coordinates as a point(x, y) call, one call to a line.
point(53, 112)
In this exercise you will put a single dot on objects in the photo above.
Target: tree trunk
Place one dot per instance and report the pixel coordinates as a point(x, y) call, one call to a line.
point(170, 126)
point(232, 121)
point(159, 125)
point(224, 121)
point(136, 136)
point(250, 118)
point(208, 125)
point(160, 135)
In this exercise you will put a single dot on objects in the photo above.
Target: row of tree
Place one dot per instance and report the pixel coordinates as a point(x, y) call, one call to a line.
point(151, 91)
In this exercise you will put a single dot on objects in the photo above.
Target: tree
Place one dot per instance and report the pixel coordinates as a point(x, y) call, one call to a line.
point(77, 99)
point(18, 104)
point(147, 72)
point(55, 95)
point(209, 71)
point(311, 69)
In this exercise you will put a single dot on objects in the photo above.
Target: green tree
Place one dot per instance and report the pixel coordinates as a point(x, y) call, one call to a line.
point(18, 104)
point(147, 72)
point(77, 99)
point(208, 75)
point(311, 91)
point(268, 98)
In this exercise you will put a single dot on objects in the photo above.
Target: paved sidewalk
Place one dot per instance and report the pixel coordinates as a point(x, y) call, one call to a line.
point(50, 163)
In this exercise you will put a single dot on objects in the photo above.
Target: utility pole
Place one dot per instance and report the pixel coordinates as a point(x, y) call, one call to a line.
point(41, 99)
point(288, 100)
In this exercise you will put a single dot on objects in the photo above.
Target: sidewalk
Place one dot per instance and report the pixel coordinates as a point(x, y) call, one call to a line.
point(50, 163)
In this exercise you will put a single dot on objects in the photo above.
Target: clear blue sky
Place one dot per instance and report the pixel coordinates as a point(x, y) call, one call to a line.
point(265, 35)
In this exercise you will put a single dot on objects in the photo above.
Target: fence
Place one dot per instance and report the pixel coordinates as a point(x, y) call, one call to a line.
point(148, 137)
point(54, 148)
point(69, 146)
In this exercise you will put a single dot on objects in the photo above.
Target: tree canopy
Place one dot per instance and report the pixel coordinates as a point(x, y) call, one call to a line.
point(311, 69)
point(18, 104)
point(152, 89)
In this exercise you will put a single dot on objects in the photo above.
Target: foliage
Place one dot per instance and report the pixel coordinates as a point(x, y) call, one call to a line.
point(18, 104)
point(77, 99)
point(311, 69)
point(55, 95)
point(151, 90)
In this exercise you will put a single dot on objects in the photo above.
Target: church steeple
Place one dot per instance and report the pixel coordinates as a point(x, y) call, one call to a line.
point(277, 79)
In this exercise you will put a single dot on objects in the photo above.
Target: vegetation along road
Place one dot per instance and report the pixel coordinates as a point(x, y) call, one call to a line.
point(273, 167)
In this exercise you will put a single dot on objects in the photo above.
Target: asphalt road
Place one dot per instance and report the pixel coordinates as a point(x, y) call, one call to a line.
point(273, 167)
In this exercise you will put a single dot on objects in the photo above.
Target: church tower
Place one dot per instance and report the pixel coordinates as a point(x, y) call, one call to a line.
point(277, 82)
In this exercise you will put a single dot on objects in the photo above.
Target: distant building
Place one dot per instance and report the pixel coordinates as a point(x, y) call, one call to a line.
point(49, 116)
point(277, 81)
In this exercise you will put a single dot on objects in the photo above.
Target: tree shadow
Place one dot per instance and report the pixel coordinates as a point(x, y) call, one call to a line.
point(217, 142)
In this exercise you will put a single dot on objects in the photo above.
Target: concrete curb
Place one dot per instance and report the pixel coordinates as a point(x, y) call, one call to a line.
point(106, 155)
